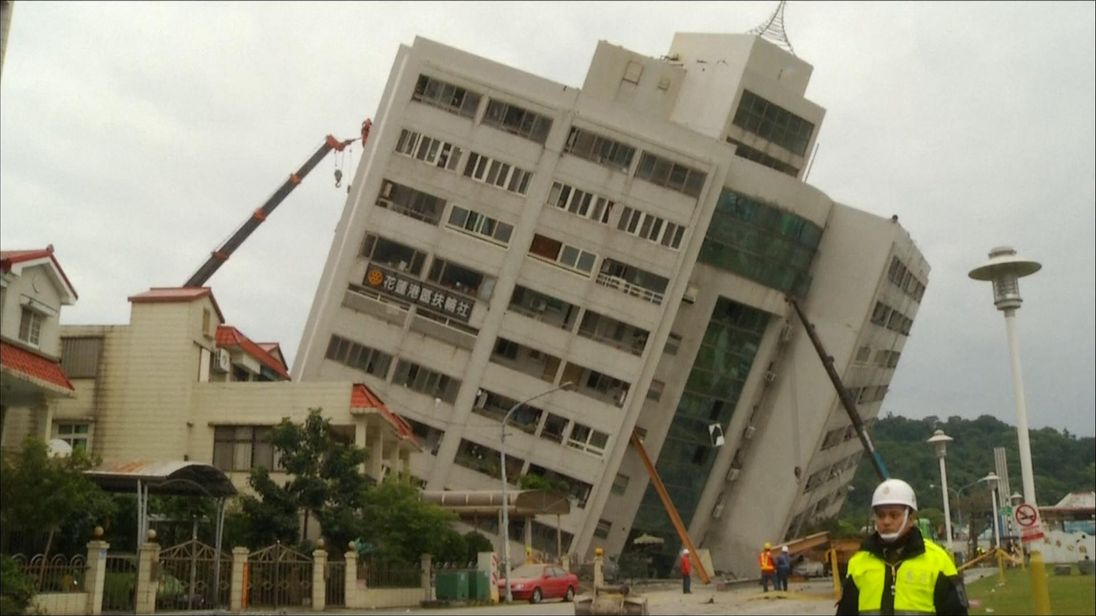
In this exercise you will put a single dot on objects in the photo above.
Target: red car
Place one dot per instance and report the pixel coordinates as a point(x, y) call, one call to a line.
point(537, 582)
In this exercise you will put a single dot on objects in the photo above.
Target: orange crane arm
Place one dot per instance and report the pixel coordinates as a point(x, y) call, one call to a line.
point(669, 505)
point(219, 256)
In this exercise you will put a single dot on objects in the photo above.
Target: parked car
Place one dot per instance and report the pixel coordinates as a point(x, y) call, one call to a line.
point(537, 582)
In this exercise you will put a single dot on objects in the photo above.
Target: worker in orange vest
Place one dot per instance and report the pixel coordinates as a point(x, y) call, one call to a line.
point(765, 560)
point(686, 572)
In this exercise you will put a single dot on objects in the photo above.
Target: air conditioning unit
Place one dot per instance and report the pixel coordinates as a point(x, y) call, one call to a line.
point(733, 474)
point(717, 511)
point(770, 376)
point(785, 334)
point(690, 294)
point(222, 362)
point(748, 432)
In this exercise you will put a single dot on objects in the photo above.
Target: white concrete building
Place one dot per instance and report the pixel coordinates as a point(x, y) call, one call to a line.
point(506, 234)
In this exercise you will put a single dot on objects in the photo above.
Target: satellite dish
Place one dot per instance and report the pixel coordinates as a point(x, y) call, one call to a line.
point(58, 448)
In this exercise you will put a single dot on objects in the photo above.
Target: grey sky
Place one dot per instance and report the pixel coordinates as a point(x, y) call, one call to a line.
point(136, 137)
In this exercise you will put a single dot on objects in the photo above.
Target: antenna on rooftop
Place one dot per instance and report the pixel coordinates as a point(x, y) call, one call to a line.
point(772, 29)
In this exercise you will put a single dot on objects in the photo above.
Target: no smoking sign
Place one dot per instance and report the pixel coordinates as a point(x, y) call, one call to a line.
point(1026, 516)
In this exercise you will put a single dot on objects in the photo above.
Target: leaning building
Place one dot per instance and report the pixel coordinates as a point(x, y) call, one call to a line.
point(507, 234)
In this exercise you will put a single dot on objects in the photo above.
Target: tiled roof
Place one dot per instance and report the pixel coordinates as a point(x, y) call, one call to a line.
point(361, 397)
point(33, 367)
point(8, 258)
point(230, 337)
point(177, 294)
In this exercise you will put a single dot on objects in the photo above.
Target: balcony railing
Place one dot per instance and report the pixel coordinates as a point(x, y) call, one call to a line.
point(643, 293)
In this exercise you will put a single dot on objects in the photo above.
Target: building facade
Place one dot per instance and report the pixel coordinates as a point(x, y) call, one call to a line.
point(33, 290)
point(177, 383)
point(507, 235)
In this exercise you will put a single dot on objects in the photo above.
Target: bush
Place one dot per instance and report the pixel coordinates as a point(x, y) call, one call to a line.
point(16, 589)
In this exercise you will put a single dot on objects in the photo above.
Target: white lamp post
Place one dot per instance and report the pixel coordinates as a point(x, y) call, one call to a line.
point(1005, 270)
point(505, 498)
point(940, 442)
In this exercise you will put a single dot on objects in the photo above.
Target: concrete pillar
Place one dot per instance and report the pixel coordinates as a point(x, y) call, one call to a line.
point(528, 539)
point(488, 562)
point(361, 430)
point(148, 578)
point(394, 457)
point(405, 461)
point(599, 575)
point(376, 453)
point(237, 594)
point(350, 581)
point(319, 578)
point(426, 562)
point(97, 573)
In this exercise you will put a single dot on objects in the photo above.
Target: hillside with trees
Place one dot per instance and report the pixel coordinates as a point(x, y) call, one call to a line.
point(1062, 461)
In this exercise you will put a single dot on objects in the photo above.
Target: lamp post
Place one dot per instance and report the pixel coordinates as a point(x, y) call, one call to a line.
point(1004, 269)
point(940, 442)
point(505, 498)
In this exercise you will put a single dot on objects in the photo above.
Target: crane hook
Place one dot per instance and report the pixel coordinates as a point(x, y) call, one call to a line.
point(338, 178)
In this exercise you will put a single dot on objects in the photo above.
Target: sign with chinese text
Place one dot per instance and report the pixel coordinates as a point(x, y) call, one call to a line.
point(439, 300)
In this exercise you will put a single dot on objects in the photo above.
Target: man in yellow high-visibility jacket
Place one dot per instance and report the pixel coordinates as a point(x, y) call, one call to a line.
point(897, 570)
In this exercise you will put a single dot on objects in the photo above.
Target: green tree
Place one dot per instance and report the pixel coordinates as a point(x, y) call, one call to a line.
point(16, 589)
point(400, 525)
point(40, 495)
point(325, 478)
point(476, 543)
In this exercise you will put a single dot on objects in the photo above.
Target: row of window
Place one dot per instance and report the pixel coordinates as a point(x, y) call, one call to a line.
point(773, 123)
point(904, 279)
point(833, 471)
point(30, 326)
point(583, 143)
point(488, 461)
point(744, 151)
point(463, 102)
point(761, 242)
point(651, 228)
point(885, 316)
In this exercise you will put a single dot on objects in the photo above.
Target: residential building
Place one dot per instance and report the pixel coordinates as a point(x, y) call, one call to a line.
point(638, 237)
point(177, 383)
point(33, 290)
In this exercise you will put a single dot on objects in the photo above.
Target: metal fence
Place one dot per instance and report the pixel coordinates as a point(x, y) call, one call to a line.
point(188, 577)
point(57, 573)
point(120, 584)
point(335, 583)
point(279, 577)
point(390, 575)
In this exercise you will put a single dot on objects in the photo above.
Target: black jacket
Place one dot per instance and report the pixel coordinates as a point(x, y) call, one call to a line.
point(949, 595)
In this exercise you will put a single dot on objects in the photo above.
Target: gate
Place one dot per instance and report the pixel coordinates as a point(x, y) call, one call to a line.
point(279, 577)
point(188, 577)
point(120, 584)
point(335, 583)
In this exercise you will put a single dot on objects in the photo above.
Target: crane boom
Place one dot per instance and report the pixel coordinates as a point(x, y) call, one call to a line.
point(219, 256)
point(843, 394)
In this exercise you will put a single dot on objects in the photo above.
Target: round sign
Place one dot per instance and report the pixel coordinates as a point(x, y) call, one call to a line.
point(1026, 515)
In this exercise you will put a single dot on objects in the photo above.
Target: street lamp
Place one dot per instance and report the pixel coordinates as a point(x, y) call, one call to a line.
point(940, 442)
point(1004, 270)
point(505, 499)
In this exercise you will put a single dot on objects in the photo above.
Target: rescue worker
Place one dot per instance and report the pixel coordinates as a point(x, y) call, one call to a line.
point(897, 570)
point(765, 560)
point(783, 568)
point(686, 572)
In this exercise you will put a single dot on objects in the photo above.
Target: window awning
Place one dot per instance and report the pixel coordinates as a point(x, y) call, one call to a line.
point(170, 477)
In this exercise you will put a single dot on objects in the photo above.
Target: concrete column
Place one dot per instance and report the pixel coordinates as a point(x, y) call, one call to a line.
point(237, 594)
point(426, 562)
point(350, 581)
point(319, 579)
point(376, 453)
point(361, 430)
point(599, 575)
point(394, 457)
point(97, 573)
point(488, 562)
point(405, 461)
point(528, 539)
point(148, 579)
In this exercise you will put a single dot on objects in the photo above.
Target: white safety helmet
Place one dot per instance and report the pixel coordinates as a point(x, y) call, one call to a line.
point(894, 492)
point(685, 551)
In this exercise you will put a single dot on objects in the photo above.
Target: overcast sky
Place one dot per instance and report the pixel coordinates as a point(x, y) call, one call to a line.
point(137, 137)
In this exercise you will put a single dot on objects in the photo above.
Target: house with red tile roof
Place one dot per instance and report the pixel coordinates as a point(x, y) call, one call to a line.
point(179, 383)
point(33, 290)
